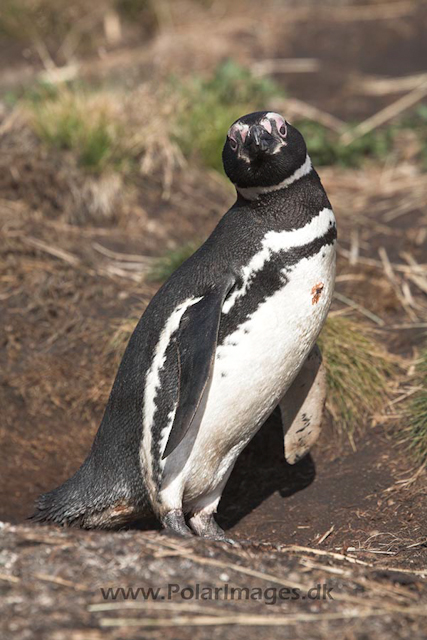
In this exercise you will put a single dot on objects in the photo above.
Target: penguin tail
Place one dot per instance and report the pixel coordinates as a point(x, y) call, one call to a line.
point(75, 504)
point(59, 507)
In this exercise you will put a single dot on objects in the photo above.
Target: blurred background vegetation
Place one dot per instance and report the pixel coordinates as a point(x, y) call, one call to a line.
point(58, 36)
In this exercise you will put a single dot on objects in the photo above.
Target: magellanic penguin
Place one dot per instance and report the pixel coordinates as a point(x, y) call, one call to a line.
point(231, 335)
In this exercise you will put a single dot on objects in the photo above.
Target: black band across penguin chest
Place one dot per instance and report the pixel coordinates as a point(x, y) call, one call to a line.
point(270, 278)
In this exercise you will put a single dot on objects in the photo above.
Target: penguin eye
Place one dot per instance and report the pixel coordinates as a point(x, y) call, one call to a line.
point(233, 144)
point(283, 130)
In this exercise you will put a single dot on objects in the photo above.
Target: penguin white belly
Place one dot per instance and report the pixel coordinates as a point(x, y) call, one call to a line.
point(253, 369)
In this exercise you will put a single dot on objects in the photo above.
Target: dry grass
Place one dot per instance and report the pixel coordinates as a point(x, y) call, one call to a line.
point(26, 20)
point(63, 29)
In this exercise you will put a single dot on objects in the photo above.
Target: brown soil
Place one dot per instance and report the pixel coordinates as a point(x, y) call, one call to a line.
point(60, 315)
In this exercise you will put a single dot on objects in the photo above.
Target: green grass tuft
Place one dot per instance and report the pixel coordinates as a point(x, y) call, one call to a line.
point(163, 267)
point(357, 369)
point(81, 123)
point(415, 435)
point(326, 149)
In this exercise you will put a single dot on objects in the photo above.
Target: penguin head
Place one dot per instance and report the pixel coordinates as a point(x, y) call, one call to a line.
point(262, 150)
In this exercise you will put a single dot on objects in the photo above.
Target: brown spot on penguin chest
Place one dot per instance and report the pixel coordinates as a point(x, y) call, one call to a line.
point(316, 292)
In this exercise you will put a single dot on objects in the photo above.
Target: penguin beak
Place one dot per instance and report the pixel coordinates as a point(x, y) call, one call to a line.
point(259, 141)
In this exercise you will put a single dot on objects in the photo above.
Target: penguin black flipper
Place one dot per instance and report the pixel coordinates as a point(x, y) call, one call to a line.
point(196, 342)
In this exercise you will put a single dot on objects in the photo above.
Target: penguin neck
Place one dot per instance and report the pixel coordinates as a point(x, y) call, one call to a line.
point(263, 193)
point(289, 207)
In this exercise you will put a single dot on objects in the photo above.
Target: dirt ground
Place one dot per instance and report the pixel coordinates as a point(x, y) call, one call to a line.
point(350, 517)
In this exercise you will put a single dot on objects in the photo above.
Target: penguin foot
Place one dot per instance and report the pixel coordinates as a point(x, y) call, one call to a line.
point(174, 524)
point(204, 525)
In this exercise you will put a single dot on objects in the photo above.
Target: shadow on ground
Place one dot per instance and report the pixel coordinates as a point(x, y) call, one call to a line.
point(261, 470)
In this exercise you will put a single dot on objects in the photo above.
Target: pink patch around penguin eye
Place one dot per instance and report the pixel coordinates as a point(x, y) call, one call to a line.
point(278, 119)
point(244, 131)
point(267, 125)
point(238, 128)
